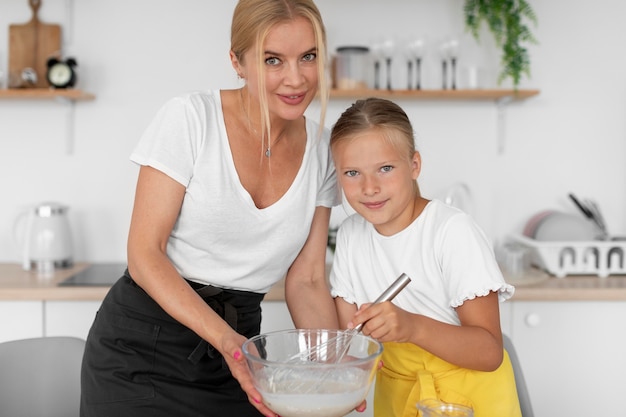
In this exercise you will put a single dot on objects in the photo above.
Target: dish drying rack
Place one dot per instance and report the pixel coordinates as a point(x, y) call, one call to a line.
point(598, 257)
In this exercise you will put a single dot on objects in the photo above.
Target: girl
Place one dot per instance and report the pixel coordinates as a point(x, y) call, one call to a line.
point(441, 336)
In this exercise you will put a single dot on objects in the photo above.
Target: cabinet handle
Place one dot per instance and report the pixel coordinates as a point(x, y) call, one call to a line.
point(533, 320)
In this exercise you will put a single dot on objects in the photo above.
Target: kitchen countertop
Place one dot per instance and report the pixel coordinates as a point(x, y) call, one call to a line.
point(17, 284)
point(540, 286)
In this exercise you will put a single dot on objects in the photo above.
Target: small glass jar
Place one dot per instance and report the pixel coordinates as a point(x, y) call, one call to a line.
point(352, 68)
point(435, 408)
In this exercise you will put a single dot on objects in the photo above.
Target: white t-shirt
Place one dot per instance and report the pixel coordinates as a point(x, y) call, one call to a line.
point(444, 252)
point(220, 237)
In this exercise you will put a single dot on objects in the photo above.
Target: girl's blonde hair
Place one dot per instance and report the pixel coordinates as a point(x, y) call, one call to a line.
point(378, 114)
point(252, 21)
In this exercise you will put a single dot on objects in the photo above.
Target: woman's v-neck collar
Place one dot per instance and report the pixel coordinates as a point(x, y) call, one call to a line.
point(234, 175)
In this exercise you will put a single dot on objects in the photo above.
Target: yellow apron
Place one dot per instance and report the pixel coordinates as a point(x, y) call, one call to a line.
point(410, 374)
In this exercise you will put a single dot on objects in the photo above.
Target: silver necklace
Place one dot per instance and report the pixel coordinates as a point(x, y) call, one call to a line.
point(268, 150)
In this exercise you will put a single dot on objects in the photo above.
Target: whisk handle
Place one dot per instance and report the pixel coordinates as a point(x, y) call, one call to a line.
point(390, 293)
point(393, 290)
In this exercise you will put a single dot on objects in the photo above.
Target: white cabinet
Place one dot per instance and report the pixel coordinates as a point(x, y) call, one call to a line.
point(20, 320)
point(275, 316)
point(69, 318)
point(573, 354)
point(26, 319)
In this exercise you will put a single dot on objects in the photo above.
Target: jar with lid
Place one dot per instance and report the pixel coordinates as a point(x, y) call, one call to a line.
point(352, 68)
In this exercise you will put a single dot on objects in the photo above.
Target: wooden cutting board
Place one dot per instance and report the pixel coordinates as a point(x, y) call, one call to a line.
point(30, 46)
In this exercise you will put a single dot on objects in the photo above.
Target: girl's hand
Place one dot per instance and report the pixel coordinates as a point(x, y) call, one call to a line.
point(385, 322)
point(361, 407)
point(232, 353)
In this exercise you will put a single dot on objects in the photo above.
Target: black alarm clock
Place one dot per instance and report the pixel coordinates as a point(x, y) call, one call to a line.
point(61, 74)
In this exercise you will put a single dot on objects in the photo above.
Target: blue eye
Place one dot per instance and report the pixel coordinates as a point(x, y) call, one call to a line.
point(386, 168)
point(272, 61)
point(312, 56)
point(351, 173)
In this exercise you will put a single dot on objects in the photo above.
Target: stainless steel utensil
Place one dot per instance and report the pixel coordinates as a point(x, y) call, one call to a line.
point(389, 294)
point(598, 218)
point(590, 210)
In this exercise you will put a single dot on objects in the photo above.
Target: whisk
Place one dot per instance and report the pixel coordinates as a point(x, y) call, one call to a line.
point(334, 349)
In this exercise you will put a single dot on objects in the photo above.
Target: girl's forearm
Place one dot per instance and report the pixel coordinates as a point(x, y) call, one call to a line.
point(470, 347)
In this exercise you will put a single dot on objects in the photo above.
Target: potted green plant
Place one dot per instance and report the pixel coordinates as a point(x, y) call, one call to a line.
point(507, 21)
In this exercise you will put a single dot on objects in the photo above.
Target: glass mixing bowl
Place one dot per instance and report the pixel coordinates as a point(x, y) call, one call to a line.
point(299, 375)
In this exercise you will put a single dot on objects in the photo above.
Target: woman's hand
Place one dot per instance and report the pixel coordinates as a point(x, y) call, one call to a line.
point(232, 353)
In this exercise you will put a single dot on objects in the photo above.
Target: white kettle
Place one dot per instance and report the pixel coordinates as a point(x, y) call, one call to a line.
point(43, 233)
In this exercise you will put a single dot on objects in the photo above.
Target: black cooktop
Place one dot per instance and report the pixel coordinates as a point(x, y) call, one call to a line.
point(96, 275)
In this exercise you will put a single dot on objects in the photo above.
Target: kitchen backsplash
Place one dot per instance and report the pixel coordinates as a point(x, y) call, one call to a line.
point(569, 138)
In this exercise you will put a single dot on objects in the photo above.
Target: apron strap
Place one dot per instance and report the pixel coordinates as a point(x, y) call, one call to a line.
point(423, 389)
point(226, 310)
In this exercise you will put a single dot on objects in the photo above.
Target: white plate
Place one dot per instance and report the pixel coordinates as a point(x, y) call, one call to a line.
point(565, 227)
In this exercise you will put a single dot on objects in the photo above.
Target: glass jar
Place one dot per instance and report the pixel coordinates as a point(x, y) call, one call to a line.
point(352, 67)
point(436, 408)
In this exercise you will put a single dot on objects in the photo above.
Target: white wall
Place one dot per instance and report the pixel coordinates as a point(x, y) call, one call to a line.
point(134, 55)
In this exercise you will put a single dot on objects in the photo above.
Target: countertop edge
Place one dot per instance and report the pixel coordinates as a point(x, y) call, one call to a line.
point(19, 285)
point(569, 294)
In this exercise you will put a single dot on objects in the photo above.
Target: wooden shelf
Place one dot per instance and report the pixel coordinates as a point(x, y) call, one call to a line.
point(495, 94)
point(45, 93)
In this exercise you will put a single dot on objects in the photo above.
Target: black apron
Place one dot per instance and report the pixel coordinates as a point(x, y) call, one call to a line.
point(139, 361)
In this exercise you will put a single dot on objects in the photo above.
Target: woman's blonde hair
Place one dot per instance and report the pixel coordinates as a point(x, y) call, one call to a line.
point(252, 21)
point(379, 114)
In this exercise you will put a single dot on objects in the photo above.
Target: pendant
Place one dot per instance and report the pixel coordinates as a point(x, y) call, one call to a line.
point(268, 153)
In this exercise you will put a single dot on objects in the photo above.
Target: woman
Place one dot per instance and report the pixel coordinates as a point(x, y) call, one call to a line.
point(234, 192)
